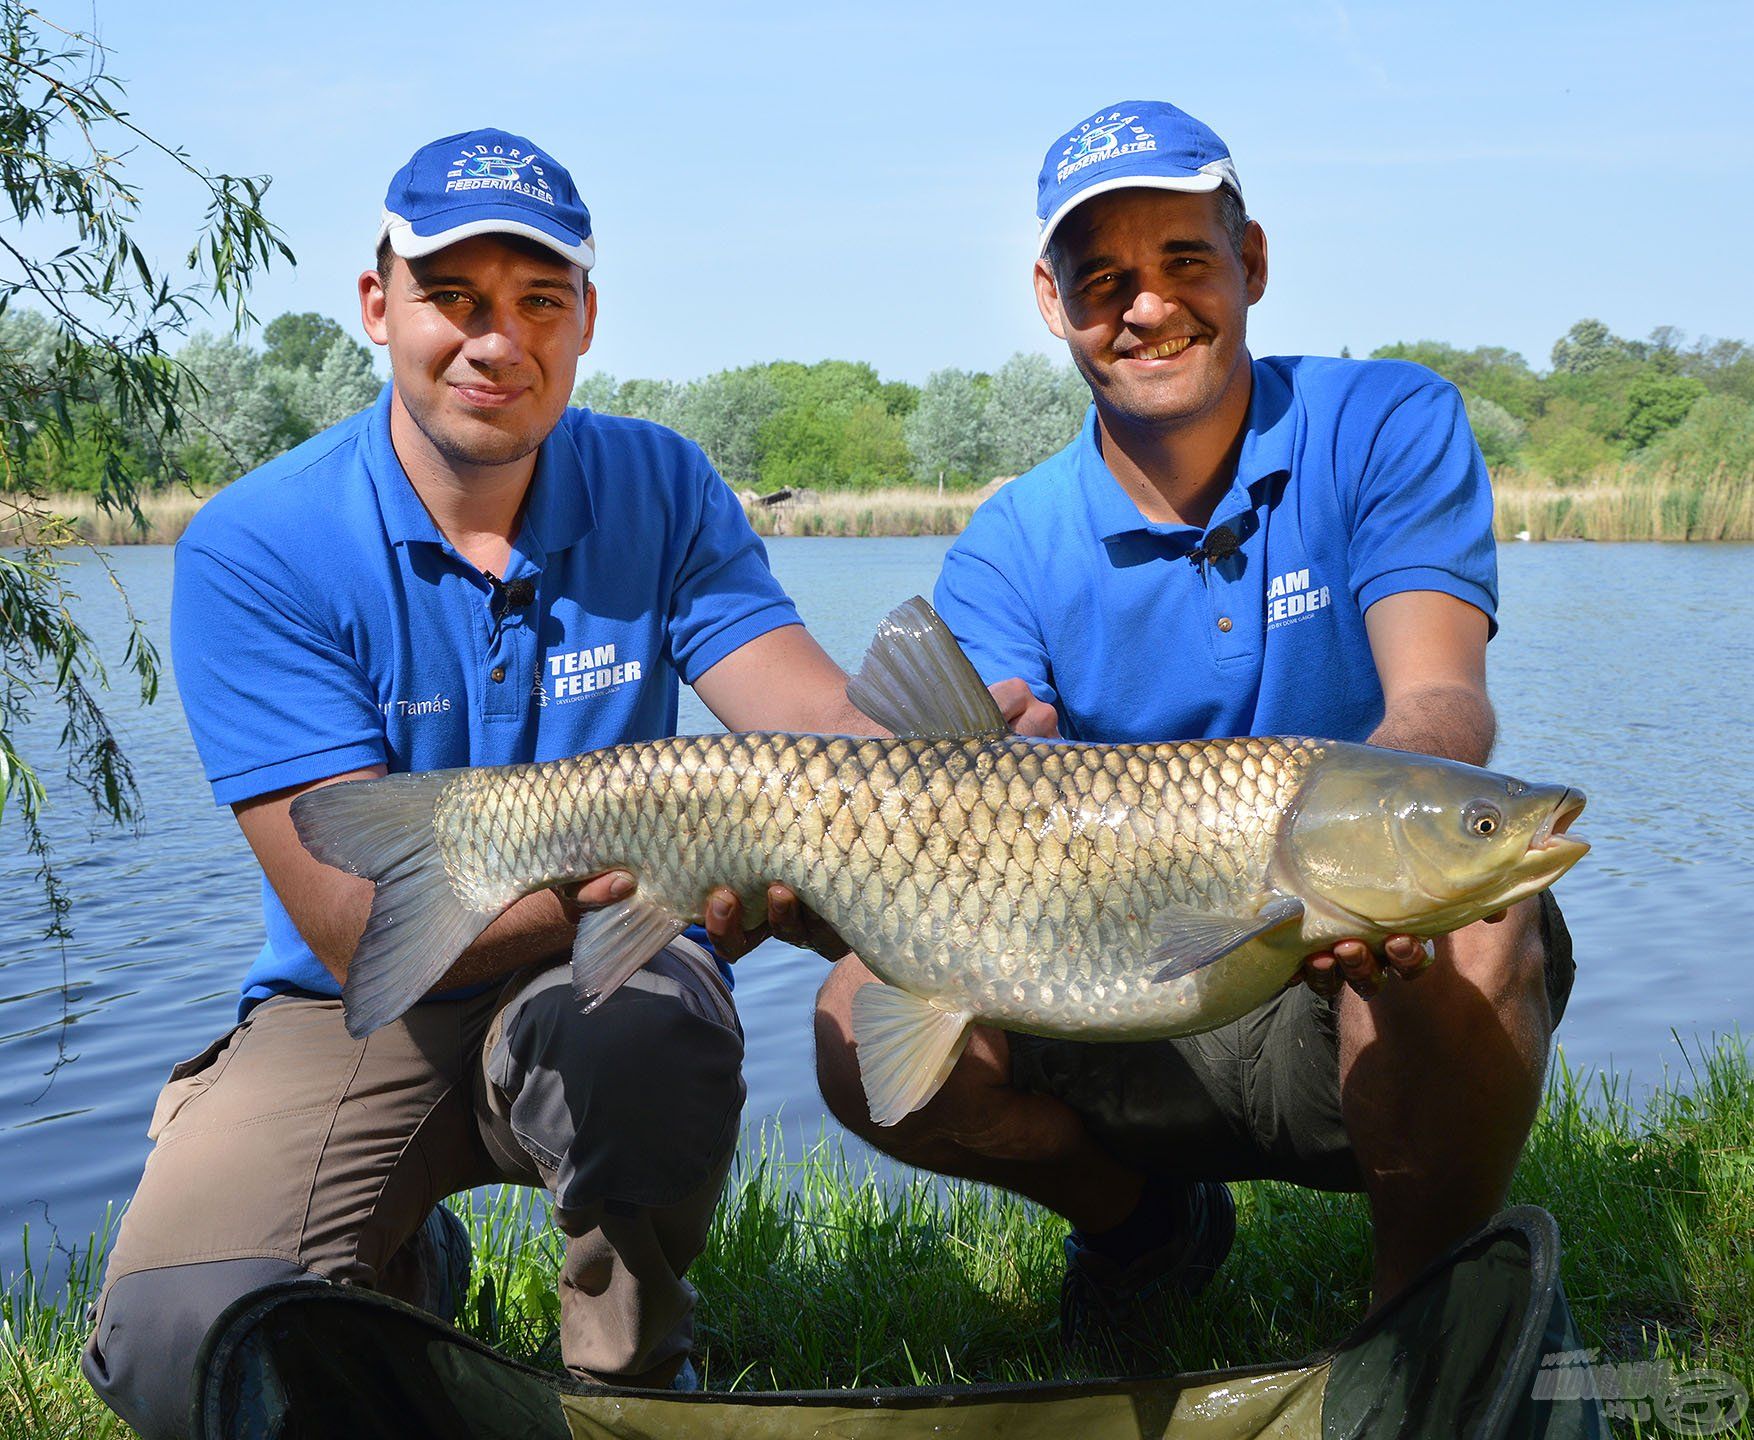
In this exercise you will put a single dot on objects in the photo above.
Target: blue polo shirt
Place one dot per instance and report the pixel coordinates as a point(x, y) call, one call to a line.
point(1355, 480)
point(321, 623)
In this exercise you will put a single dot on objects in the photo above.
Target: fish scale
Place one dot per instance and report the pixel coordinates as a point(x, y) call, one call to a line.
point(950, 866)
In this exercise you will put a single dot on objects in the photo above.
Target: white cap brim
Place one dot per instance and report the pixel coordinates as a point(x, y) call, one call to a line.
point(1211, 177)
point(411, 246)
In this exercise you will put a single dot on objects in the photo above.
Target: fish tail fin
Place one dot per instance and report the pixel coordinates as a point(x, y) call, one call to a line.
point(383, 830)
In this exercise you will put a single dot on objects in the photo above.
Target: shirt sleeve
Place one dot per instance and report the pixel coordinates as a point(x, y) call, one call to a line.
point(978, 597)
point(1424, 507)
point(271, 699)
point(724, 595)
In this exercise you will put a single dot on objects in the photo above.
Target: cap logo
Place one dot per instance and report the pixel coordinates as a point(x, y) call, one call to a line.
point(1101, 138)
point(499, 167)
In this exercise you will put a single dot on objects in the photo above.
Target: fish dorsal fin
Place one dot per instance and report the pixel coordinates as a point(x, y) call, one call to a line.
point(906, 1045)
point(916, 682)
point(1189, 940)
point(614, 942)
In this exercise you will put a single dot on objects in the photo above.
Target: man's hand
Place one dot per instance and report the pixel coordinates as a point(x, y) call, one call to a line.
point(788, 919)
point(1023, 712)
point(1354, 963)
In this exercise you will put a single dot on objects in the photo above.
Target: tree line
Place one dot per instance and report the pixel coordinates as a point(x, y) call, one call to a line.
point(242, 406)
point(837, 424)
point(1606, 401)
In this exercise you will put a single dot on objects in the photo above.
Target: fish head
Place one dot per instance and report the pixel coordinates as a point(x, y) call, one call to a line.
point(1410, 843)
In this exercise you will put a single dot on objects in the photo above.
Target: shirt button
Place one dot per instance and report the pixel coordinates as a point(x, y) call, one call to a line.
point(498, 671)
point(1224, 623)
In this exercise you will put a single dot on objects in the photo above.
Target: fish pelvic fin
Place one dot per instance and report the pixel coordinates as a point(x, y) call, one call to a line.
point(383, 829)
point(907, 1047)
point(614, 942)
point(916, 682)
point(1189, 940)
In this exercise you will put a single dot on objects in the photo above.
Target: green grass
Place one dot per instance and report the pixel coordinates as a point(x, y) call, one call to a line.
point(817, 1275)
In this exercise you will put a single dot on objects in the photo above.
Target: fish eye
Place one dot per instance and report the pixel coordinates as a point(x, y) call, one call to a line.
point(1482, 819)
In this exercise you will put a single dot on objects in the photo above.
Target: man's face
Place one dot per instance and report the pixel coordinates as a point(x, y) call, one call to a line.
point(1154, 303)
point(484, 338)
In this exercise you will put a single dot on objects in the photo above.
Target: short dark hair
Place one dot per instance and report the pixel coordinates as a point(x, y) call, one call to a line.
point(1231, 215)
point(387, 256)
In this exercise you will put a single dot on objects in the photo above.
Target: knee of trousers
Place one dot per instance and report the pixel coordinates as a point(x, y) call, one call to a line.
point(150, 1324)
point(632, 1104)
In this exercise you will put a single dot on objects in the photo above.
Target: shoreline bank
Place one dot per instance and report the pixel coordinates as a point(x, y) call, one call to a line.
point(913, 1281)
point(1616, 505)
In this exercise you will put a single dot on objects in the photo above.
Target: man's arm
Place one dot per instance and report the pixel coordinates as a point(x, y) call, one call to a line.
point(782, 680)
point(330, 906)
point(1430, 654)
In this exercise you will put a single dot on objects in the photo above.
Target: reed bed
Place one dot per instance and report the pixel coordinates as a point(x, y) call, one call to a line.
point(167, 514)
point(904, 510)
point(1625, 503)
point(1620, 503)
point(818, 1273)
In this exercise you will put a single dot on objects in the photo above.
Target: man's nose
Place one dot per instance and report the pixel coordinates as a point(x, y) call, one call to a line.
point(495, 342)
point(1148, 310)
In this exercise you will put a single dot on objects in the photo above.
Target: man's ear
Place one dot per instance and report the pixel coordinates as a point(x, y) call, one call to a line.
point(372, 304)
point(1254, 260)
point(1047, 297)
point(590, 315)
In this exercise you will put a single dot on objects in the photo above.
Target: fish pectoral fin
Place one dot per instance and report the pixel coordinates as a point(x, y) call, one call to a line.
point(907, 1047)
point(916, 682)
point(614, 942)
point(1190, 940)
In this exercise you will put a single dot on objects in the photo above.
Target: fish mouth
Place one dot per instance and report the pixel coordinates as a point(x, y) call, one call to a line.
point(1551, 841)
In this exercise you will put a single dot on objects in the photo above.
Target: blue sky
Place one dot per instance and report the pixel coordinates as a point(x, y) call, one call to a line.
point(810, 181)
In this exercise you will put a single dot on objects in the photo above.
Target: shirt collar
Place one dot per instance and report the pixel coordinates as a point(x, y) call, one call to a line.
point(557, 513)
point(1268, 442)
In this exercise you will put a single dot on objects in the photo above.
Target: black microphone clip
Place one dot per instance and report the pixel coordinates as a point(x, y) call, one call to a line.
point(1221, 544)
point(509, 597)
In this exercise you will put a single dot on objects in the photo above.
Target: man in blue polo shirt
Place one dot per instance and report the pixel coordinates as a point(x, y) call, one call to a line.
point(468, 574)
point(1234, 546)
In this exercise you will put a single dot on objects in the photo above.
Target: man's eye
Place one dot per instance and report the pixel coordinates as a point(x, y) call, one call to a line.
point(447, 297)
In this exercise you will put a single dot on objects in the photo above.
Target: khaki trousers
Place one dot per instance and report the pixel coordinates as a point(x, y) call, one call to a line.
point(287, 1148)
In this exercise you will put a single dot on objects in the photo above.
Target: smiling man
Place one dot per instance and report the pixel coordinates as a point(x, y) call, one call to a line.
point(431, 584)
point(1233, 546)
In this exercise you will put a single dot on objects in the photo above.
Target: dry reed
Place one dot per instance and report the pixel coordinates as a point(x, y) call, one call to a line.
point(1619, 503)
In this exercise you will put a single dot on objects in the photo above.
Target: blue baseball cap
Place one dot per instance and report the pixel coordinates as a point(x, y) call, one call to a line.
point(485, 182)
point(1139, 144)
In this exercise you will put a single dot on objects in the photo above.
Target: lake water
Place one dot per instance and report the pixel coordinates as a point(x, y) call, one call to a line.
point(1626, 670)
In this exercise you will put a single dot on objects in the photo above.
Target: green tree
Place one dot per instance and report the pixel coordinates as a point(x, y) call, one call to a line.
point(1657, 402)
point(1717, 435)
point(1033, 408)
point(343, 384)
point(597, 392)
point(724, 414)
point(1489, 371)
point(1499, 434)
point(67, 249)
point(944, 435)
point(1588, 346)
point(299, 342)
point(832, 428)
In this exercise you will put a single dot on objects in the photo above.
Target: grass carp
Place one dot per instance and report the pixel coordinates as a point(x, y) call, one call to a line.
point(1104, 892)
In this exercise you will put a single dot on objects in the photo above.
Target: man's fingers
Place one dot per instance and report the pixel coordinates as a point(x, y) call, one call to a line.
point(724, 924)
point(1322, 974)
point(1359, 966)
point(599, 890)
point(1408, 955)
